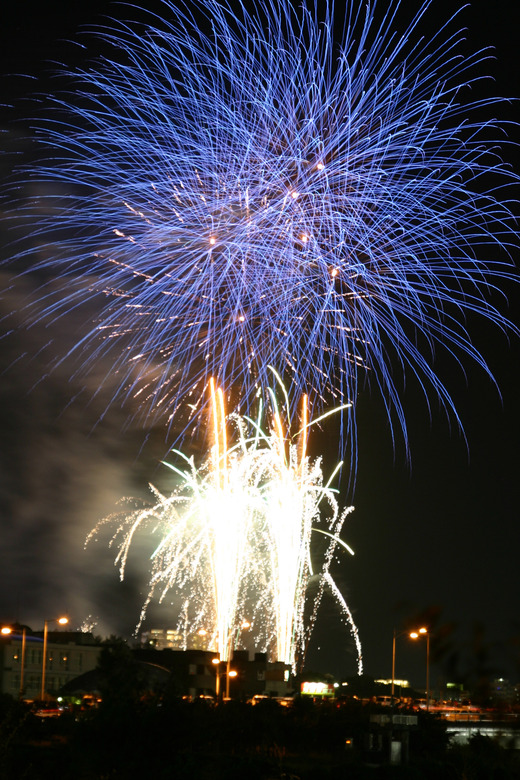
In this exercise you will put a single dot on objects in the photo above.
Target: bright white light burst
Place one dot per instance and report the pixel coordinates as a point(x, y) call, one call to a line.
point(235, 537)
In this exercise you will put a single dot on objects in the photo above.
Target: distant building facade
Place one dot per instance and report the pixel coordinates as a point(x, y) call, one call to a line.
point(174, 639)
point(69, 654)
point(194, 674)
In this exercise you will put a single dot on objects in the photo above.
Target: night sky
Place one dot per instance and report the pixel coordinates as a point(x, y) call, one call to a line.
point(436, 539)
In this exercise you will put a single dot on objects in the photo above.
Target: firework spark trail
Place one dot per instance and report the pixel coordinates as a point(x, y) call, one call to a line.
point(204, 527)
point(293, 491)
point(348, 615)
point(229, 514)
point(236, 535)
point(245, 190)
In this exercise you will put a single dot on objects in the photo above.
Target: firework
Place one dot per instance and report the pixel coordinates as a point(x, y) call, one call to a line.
point(235, 537)
point(245, 190)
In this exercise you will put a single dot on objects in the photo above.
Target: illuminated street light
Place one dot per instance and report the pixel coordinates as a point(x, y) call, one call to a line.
point(62, 621)
point(417, 635)
point(218, 673)
point(228, 675)
point(243, 627)
point(396, 635)
point(228, 672)
point(6, 631)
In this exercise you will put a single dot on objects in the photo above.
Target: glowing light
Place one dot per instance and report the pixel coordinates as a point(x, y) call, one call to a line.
point(235, 537)
point(222, 133)
point(317, 689)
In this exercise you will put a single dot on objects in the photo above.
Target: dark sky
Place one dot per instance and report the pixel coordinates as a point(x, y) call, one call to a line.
point(436, 539)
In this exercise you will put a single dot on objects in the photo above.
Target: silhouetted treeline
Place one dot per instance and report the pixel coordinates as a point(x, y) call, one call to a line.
point(170, 738)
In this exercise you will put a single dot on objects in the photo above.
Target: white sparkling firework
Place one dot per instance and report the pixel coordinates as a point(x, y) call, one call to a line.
point(235, 537)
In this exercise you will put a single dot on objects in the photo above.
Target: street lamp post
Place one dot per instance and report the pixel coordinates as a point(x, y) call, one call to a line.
point(228, 672)
point(216, 661)
point(393, 665)
point(416, 635)
point(9, 630)
point(22, 667)
point(243, 627)
point(62, 621)
point(396, 635)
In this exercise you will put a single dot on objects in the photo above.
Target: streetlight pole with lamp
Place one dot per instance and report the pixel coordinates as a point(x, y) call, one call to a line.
point(416, 635)
point(218, 674)
point(62, 621)
point(6, 630)
point(243, 627)
point(396, 635)
point(228, 672)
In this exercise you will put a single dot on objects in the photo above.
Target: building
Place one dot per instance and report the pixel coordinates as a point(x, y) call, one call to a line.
point(259, 676)
point(194, 673)
point(174, 639)
point(69, 654)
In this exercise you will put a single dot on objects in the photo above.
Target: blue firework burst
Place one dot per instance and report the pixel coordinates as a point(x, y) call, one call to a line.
point(249, 189)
